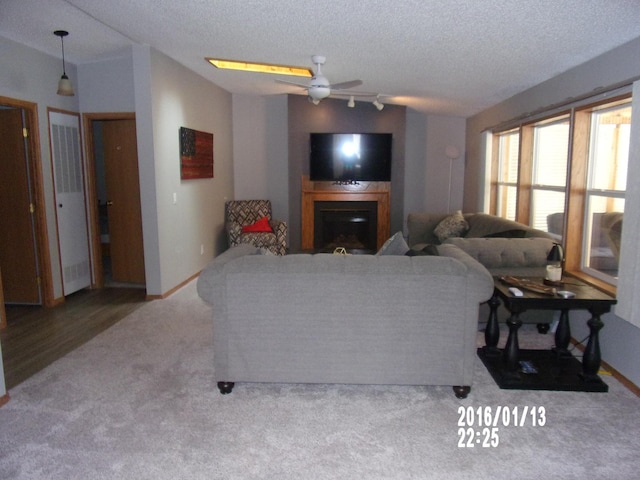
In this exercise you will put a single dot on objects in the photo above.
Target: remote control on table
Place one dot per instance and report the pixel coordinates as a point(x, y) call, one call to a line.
point(516, 292)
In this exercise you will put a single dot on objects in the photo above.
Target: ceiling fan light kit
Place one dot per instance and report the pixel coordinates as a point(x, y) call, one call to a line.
point(320, 88)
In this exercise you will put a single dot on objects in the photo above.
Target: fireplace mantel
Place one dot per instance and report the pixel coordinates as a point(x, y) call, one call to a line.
point(379, 192)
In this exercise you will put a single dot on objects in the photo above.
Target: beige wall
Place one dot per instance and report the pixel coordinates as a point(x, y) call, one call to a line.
point(195, 222)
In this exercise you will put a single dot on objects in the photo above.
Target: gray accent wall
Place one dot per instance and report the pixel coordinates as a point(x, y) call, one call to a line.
point(333, 116)
point(260, 151)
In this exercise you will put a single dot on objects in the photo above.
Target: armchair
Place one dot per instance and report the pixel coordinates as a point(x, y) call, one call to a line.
point(241, 213)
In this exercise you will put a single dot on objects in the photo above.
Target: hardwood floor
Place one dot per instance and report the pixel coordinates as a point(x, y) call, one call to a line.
point(35, 336)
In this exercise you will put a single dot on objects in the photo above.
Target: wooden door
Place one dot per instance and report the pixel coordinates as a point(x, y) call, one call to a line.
point(123, 200)
point(18, 254)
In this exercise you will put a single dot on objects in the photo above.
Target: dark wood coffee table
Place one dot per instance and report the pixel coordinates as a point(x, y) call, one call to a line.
point(557, 368)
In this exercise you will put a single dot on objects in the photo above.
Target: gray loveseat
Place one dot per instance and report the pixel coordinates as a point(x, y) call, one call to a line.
point(353, 319)
point(503, 246)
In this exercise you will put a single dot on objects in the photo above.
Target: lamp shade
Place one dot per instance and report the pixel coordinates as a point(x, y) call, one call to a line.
point(452, 152)
point(555, 254)
point(65, 87)
point(64, 84)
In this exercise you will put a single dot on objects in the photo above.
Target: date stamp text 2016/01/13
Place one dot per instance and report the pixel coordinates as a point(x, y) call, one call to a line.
point(480, 426)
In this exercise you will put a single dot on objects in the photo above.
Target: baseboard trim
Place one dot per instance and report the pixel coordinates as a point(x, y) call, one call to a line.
point(173, 290)
point(632, 387)
point(4, 399)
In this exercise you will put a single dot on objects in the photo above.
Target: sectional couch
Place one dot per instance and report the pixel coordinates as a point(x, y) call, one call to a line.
point(503, 246)
point(355, 319)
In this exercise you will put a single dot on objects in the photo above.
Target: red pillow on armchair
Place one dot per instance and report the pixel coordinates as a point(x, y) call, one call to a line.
point(261, 225)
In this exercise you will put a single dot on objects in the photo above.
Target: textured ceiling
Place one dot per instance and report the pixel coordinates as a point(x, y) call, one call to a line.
point(448, 57)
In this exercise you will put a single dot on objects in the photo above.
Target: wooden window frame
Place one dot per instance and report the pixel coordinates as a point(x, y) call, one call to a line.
point(576, 190)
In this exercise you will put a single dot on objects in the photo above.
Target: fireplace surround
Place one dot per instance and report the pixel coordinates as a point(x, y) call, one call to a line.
point(346, 207)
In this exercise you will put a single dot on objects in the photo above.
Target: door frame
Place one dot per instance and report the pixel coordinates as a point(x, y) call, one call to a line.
point(37, 186)
point(94, 216)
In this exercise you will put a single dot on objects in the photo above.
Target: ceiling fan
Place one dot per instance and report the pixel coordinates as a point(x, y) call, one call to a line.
point(319, 86)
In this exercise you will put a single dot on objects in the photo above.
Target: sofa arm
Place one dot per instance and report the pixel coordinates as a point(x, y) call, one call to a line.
point(212, 273)
point(480, 280)
point(280, 229)
point(234, 230)
point(506, 252)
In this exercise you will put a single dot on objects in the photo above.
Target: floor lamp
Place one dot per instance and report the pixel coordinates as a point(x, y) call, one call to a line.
point(452, 152)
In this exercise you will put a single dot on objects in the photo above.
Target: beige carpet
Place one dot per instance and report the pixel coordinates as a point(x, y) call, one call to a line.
point(139, 402)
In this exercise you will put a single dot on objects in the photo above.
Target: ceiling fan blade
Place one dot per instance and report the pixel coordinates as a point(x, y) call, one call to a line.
point(348, 93)
point(341, 85)
point(301, 85)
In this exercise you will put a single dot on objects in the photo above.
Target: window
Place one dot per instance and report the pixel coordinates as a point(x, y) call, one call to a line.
point(549, 182)
point(567, 175)
point(605, 192)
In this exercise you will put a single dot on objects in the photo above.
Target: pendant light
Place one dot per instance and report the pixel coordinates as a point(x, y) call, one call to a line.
point(64, 85)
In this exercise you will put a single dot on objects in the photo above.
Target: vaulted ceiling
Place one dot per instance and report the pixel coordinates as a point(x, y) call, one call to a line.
point(447, 57)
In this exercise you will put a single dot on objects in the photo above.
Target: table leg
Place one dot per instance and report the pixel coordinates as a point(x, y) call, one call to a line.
point(563, 334)
point(591, 357)
point(492, 331)
point(512, 349)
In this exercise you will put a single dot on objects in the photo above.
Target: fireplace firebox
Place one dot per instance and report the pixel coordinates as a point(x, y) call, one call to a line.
point(348, 224)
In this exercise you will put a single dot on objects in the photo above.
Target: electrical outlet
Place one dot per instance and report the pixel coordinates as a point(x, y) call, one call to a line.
point(175, 198)
point(201, 249)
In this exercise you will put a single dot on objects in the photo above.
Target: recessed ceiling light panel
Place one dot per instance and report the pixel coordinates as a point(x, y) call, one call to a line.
point(260, 67)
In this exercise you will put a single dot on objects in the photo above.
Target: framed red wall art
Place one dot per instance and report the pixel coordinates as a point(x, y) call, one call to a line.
point(196, 154)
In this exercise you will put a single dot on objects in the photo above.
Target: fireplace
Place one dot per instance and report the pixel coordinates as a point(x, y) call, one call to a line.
point(360, 212)
point(352, 225)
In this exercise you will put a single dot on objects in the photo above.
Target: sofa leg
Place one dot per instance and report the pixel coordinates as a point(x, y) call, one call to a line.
point(461, 391)
point(225, 387)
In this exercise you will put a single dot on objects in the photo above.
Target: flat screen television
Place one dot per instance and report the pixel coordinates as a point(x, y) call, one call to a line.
point(350, 157)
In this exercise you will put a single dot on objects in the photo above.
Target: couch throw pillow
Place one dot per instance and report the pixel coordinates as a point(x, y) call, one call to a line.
point(261, 225)
point(395, 245)
point(453, 226)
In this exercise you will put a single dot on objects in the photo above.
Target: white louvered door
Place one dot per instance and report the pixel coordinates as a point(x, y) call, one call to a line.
point(68, 174)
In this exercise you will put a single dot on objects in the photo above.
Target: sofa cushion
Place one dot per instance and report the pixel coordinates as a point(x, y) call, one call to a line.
point(506, 252)
point(483, 224)
point(453, 226)
point(395, 245)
